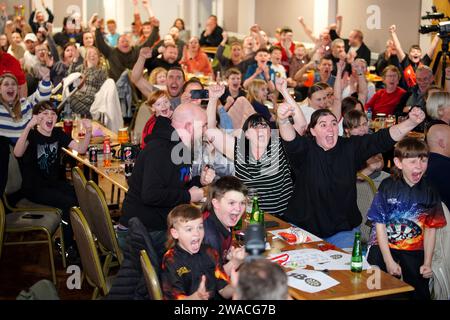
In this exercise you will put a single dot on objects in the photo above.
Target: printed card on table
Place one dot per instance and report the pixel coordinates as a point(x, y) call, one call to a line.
point(310, 281)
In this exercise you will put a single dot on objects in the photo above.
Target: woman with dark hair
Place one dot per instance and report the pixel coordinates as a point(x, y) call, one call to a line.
point(324, 199)
point(259, 157)
point(184, 34)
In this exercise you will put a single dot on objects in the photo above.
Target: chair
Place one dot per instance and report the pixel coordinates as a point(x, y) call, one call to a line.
point(365, 190)
point(13, 185)
point(130, 283)
point(90, 260)
point(140, 119)
point(102, 225)
point(79, 183)
point(151, 278)
point(48, 222)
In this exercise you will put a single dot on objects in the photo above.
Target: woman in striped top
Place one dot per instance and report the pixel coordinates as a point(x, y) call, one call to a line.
point(14, 112)
point(259, 158)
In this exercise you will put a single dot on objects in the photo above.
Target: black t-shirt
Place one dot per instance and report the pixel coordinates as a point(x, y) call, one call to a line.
point(40, 165)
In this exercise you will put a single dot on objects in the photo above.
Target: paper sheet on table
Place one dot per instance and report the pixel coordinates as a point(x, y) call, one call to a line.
point(310, 281)
point(300, 258)
point(303, 236)
point(338, 261)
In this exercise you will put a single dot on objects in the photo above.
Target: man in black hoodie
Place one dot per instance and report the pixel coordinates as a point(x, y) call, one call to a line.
point(161, 177)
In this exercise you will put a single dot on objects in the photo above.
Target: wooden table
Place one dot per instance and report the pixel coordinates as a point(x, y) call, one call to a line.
point(114, 173)
point(351, 285)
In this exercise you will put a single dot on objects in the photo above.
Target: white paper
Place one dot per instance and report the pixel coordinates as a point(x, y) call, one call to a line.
point(301, 258)
point(338, 261)
point(303, 236)
point(310, 281)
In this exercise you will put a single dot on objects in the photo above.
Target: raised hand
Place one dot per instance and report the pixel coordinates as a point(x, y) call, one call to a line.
point(284, 111)
point(154, 21)
point(255, 28)
point(196, 194)
point(393, 28)
point(301, 20)
point(281, 84)
point(225, 36)
point(35, 120)
point(49, 27)
point(146, 52)
point(416, 115)
point(216, 91)
point(207, 176)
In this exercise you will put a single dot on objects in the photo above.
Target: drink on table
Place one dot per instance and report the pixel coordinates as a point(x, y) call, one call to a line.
point(122, 136)
point(107, 152)
point(255, 216)
point(357, 260)
point(92, 152)
point(68, 124)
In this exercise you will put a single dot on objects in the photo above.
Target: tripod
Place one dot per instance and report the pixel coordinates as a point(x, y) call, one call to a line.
point(442, 55)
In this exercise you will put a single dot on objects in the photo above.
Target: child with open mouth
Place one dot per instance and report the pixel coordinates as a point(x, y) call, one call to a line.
point(406, 212)
point(190, 269)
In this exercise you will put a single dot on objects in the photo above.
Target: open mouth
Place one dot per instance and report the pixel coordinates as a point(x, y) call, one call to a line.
point(195, 245)
point(234, 218)
point(166, 113)
point(11, 94)
point(329, 139)
point(416, 176)
point(49, 124)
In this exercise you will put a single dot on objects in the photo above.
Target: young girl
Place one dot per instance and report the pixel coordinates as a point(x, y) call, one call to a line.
point(224, 207)
point(159, 104)
point(191, 270)
point(406, 211)
point(158, 77)
point(41, 148)
point(15, 112)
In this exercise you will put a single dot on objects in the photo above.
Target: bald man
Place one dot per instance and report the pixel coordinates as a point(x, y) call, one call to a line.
point(438, 173)
point(161, 177)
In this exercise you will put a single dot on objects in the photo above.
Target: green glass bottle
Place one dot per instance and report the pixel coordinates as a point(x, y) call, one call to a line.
point(256, 213)
point(357, 260)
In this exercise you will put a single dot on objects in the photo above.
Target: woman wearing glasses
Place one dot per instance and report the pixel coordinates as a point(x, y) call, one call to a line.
point(259, 158)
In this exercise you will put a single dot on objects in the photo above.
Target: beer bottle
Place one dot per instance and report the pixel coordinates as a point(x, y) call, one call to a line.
point(256, 213)
point(357, 261)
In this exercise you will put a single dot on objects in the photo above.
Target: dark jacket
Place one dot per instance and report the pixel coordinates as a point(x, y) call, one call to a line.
point(119, 61)
point(129, 283)
point(214, 39)
point(324, 199)
point(157, 184)
point(362, 53)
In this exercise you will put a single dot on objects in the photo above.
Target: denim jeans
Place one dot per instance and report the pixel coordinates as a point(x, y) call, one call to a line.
point(343, 239)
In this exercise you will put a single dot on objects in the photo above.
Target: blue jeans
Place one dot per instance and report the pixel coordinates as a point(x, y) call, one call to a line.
point(343, 239)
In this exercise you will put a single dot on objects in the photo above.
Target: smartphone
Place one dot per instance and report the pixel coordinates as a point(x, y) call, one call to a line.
point(32, 216)
point(200, 94)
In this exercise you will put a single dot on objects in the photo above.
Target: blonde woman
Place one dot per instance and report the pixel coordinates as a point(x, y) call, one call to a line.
point(438, 107)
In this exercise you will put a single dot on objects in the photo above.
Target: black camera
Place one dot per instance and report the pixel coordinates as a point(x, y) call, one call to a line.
point(255, 245)
point(443, 28)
